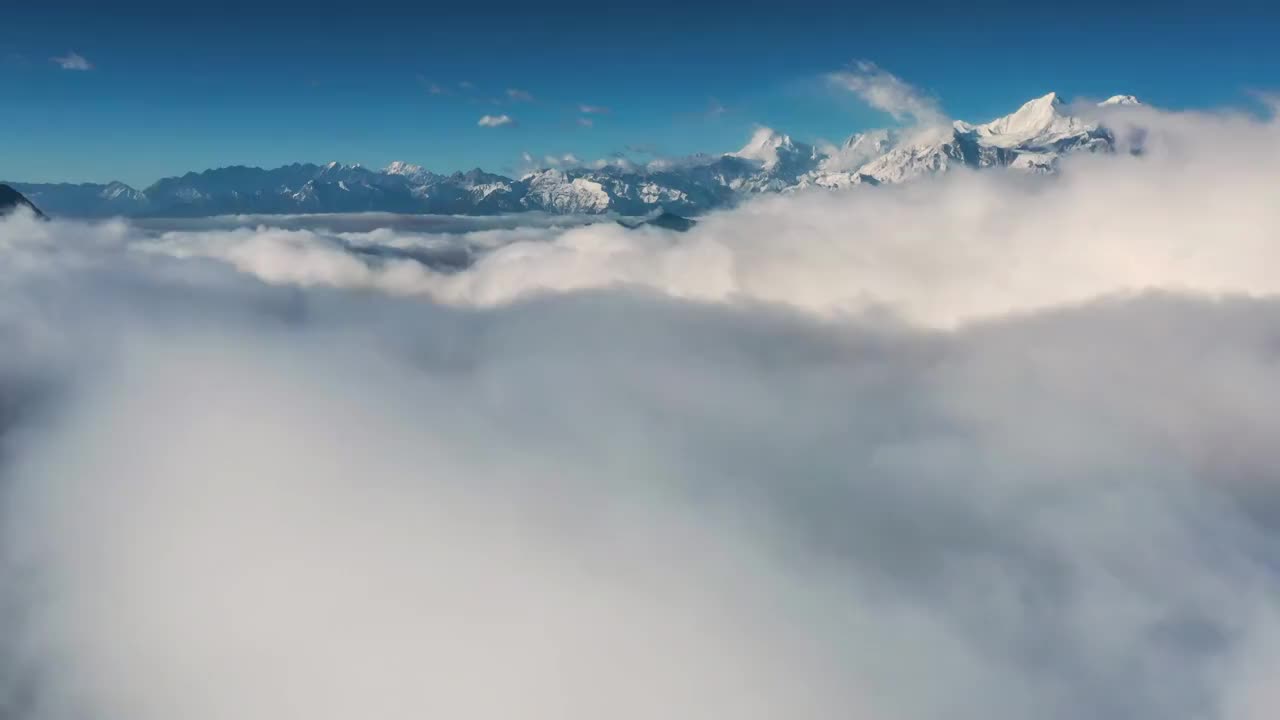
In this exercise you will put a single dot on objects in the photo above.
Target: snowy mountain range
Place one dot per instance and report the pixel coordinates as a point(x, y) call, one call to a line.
point(1031, 139)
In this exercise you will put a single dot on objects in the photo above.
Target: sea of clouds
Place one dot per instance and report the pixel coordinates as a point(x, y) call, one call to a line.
point(990, 446)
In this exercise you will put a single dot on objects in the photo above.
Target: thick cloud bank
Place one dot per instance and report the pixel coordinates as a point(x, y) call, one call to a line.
point(1197, 211)
point(988, 447)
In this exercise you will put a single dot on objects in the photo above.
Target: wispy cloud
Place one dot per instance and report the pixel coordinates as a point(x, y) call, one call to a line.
point(529, 162)
point(715, 108)
point(516, 95)
point(493, 121)
point(593, 109)
point(72, 61)
point(887, 92)
point(567, 159)
point(586, 122)
point(616, 160)
point(466, 85)
point(431, 86)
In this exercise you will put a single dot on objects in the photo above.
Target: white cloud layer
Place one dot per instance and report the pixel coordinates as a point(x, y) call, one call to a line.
point(992, 446)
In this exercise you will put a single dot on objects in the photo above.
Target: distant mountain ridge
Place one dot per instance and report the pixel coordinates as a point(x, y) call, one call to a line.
point(1033, 139)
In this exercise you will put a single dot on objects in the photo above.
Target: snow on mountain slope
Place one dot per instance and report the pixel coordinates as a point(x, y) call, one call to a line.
point(859, 149)
point(655, 194)
point(481, 191)
point(766, 147)
point(771, 149)
point(1038, 123)
point(554, 191)
point(831, 181)
point(1033, 138)
point(1030, 139)
point(913, 161)
point(1035, 162)
point(118, 191)
point(414, 173)
point(399, 167)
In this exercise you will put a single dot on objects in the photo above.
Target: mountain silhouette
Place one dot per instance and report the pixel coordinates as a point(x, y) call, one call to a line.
point(11, 200)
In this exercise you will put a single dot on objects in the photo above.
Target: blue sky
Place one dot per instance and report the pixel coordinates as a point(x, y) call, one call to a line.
point(177, 87)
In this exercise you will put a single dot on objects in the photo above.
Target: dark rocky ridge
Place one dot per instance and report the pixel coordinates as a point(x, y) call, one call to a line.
point(11, 200)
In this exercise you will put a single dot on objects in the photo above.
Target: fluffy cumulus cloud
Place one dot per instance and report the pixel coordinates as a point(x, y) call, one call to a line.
point(495, 121)
point(889, 93)
point(72, 61)
point(991, 446)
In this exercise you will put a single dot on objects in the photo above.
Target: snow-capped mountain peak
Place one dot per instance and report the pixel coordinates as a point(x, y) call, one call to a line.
point(409, 171)
point(400, 167)
point(555, 191)
point(1120, 100)
point(1037, 120)
point(765, 147)
point(858, 149)
point(119, 191)
point(336, 168)
point(870, 138)
point(1031, 139)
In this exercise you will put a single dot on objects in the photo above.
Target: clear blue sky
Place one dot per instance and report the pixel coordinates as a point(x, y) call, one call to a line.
point(182, 86)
